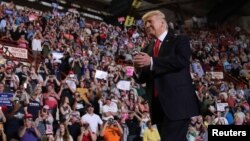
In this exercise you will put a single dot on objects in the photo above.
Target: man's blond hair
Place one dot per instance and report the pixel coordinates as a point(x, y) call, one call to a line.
point(153, 13)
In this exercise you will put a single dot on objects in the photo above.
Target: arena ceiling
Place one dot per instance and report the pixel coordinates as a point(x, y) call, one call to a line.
point(215, 10)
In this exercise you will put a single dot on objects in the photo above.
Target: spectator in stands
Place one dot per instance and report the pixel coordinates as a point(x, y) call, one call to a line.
point(151, 133)
point(29, 131)
point(93, 120)
point(109, 109)
point(22, 42)
point(62, 134)
point(65, 108)
point(74, 124)
point(7, 38)
point(2, 122)
point(2, 133)
point(83, 91)
point(44, 121)
point(86, 134)
point(220, 120)
point(37, 45)
point(79, 104)
point(14, 116)
point(133, 124)
point(1, 87)
point(51, 99)
point(247, 119)
point(112, 131)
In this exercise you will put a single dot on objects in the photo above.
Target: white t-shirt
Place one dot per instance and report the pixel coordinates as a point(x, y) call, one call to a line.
point(36, 45)
point(109, 108)
point(93, 121)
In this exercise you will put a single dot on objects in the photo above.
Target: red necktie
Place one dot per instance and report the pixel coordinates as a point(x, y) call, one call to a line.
point(155, 54)
point(156, 47)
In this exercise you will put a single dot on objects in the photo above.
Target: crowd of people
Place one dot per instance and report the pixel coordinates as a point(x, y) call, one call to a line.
point(62, 100)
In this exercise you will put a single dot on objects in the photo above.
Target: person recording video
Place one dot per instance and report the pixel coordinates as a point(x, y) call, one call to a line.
point(112, 131)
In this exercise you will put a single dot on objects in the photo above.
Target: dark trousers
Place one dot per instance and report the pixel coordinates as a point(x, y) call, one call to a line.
point(132, 138)
point(169, 130)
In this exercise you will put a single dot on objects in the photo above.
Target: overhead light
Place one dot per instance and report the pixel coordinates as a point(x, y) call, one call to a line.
point(98, 12)
point(75, 5)
point(91, 16)
point(60, 7)
point(32, 0)
point(62, 1)
point(46, 3)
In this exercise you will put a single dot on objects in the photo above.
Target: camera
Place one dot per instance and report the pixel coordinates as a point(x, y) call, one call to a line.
point(111, 121)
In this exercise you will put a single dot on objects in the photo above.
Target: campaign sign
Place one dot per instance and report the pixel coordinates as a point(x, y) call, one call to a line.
point(5, 99)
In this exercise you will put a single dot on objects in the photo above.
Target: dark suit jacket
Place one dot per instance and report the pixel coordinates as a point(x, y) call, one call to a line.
point(171, 77)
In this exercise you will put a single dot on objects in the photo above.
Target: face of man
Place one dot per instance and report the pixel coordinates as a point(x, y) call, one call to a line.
point(154, 25)
point(90, 110)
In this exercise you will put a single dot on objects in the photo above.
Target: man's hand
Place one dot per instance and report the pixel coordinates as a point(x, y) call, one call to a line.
point(142, 60)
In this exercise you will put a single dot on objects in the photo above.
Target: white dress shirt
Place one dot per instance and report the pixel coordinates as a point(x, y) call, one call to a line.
point(161, 38)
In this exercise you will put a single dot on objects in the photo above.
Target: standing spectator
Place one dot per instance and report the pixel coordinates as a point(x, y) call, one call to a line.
point(29, 131)
point(112, 131)
point(151, 133)
point(65, 109)
point(62, 133)
point(86, 134)
point(37, 45)
point(14, 116)
point(109, 109)
point(133, 125)
point(92, 119)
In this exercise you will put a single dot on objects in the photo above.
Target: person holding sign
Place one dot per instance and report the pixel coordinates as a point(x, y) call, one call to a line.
point(164, 66)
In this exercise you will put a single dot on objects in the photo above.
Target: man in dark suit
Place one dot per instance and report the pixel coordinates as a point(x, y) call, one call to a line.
point(164, 67)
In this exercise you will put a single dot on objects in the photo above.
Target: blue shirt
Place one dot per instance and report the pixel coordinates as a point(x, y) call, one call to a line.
point(230, 118)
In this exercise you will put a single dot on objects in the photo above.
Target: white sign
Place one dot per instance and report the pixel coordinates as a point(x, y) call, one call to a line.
point(15, 52)
point(217, 75)
point(101, 74)
point(123, 85)
point(57, 55)
point(221, 106)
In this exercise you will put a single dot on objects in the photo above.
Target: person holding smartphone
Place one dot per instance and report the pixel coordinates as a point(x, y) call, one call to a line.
point(112, 131)
point(29, 131)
